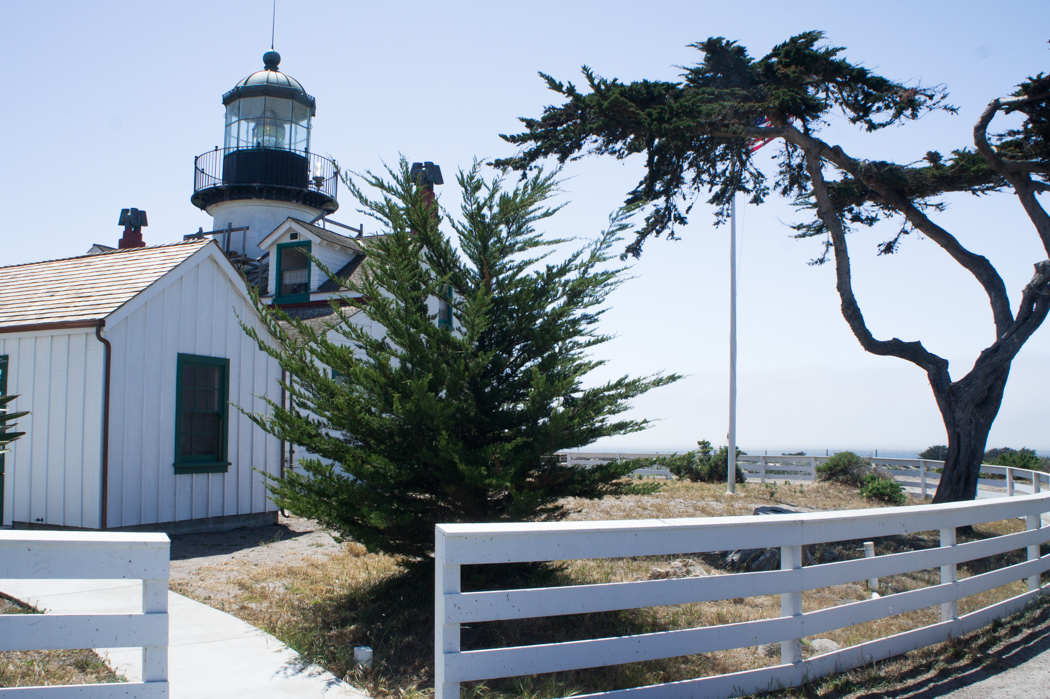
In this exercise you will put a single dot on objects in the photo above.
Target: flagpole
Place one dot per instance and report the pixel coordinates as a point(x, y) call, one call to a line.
point(731, 461)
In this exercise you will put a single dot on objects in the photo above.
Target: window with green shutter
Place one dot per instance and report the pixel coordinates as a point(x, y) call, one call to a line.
point(3, 392)
point(445, 309)
point(201, 414)
point(293, 272)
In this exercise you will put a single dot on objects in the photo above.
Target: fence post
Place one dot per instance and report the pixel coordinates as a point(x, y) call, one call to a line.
point(813, 468)
point(1037, 482)
point(1034, 522)
point(791, 604)
point(1009, 482)
point(446, 636)
point(922, 477)
point(763, 470)
point(869, 552)
point(949, 574)
point(155, 657)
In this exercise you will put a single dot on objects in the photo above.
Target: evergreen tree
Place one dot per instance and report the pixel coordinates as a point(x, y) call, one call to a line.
point(698, 135)
point(7, 435)
point(428, 424)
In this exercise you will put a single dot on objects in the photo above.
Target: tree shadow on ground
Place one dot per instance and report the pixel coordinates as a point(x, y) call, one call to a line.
point(976, 663)
point(395, 617)
point(203, 544)
point(954, 666)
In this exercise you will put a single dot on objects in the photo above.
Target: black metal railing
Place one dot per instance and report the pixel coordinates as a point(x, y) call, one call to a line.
point(278, 167)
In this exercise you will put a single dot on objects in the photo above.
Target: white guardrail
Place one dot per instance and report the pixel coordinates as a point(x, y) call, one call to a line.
point(473, 544)
point(920, 474)
point(98, 556)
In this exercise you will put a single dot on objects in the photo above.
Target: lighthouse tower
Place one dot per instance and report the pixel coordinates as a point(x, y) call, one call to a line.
point(265, 172)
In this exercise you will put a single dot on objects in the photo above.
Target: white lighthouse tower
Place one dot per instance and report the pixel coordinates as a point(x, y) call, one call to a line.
point(265, 171)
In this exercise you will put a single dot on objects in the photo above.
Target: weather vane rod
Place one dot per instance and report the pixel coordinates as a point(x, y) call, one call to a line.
point(273, 24)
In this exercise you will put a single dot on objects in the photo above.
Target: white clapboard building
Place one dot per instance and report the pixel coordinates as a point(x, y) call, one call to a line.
point(132, 361)
point(128, 362)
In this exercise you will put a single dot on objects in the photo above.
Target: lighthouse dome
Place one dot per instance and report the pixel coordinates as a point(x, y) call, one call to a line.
point(271, 75)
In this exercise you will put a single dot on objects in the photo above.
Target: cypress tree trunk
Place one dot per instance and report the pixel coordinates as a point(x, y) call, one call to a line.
point(969, 409)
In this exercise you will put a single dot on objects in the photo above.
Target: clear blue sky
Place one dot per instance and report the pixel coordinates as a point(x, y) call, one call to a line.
point(108, 103)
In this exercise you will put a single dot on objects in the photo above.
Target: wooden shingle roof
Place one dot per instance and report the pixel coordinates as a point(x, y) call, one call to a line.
point(86, 288)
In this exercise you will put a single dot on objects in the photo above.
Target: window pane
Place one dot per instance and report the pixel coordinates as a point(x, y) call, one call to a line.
point(294, 258)
point(201, 409)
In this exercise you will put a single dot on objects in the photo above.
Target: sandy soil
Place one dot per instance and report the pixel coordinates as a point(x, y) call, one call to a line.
point(207, 566)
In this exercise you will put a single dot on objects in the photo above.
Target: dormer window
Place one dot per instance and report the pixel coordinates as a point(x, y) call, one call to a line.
point(293, 272)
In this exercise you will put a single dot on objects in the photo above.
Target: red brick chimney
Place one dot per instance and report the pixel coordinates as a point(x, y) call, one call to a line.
point(133, 220)
point(428, 174)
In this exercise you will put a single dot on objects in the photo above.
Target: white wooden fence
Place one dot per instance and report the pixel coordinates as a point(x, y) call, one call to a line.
point(470, 544)
point(99, 556)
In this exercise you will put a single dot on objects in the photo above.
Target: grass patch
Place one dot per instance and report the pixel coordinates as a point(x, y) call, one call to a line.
point(32, 668)
point(325, 606)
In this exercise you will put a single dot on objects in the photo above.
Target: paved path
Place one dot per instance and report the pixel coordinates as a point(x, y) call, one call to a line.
point(211, 654)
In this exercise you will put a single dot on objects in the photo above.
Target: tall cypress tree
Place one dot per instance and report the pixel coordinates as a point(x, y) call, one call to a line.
point(699, 135)
point(426, 423)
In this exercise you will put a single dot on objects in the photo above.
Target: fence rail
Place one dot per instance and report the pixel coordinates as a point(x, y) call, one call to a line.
point(472, 544)
point(90, 555)
point(921, 474)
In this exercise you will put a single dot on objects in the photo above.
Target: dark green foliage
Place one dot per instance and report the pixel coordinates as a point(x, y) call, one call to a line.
point(7, 423)
point(702, 465)
point(884, 489)
point(1016, 458)
point(938, 452)
point(697, 133)
point(431, 424)
point(845, 467)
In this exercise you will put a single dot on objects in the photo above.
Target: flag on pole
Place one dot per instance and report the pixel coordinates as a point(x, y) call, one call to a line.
point(761, 123)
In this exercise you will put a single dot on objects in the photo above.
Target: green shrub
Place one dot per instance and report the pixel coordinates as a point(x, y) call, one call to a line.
point(702, 465)
point(938, 452)
point(884, 489)
point(846, 468)
point(1015, 458)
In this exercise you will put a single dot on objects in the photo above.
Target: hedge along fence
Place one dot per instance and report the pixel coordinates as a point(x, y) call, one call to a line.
point(97, 556)
point(471, 544)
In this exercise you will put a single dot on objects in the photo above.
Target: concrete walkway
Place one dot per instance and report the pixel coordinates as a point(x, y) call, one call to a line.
point(211, 655)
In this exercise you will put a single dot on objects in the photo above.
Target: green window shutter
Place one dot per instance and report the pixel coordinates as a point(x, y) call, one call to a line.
point(292, 284)
point(3, 392)
point(445, 309)
point(202, 394)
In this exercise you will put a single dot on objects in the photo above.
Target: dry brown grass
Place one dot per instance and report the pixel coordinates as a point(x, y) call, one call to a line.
point(323, 606)
point(49, 667)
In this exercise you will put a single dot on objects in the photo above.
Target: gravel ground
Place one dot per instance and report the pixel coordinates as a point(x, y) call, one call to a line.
point(210, 564)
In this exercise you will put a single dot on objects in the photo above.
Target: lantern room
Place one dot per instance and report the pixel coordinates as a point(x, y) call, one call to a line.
point(268, 109)
point(264, 172)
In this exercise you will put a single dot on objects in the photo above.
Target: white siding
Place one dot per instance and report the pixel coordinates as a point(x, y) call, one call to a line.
point(194, 314)
point(334, 257)
point(331, 256)
point(54, 474)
